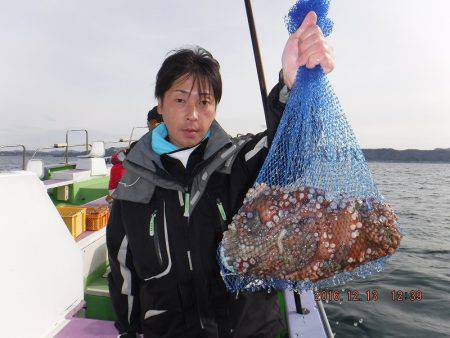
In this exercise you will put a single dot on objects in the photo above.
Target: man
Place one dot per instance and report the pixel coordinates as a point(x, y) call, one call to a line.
point(185, 180)
point(153, 118)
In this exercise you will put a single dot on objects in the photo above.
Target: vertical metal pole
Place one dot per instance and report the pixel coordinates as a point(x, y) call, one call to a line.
point(131, 137)
point(66, 153)
point(298, 303)
point(257, 54)
point(325, 322)
point(87, 140)
point(23, 157)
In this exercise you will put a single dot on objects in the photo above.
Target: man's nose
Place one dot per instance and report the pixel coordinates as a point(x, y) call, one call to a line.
point(192, 113)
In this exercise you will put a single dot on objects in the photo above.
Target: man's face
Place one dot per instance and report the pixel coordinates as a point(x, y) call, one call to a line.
point(187, 111)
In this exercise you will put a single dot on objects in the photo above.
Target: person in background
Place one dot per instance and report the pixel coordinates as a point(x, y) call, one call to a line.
point(153, 118)
point(117, 169)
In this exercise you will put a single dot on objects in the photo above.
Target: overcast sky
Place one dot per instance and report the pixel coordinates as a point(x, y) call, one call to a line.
point(92, 64)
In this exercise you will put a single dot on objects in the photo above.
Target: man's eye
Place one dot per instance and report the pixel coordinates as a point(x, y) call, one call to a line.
point(204, 102)
point(179, 100)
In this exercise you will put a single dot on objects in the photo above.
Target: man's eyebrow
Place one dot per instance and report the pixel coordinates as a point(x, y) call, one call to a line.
point(181, 91)
point(187, 92)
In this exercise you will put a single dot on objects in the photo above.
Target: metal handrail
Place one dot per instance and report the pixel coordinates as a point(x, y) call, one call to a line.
point(125, 140)
point(55, 146)
point(132, 131)
point(324, 318)
point(15, 146)
point(114, 142)
point(40, 149)
point(64, 145)
point(66, 156)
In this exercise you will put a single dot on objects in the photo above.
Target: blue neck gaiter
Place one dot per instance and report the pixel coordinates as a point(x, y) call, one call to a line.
point(159, 143)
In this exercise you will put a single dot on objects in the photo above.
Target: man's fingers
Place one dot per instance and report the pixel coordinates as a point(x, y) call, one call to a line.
point(315, 47)
point(313, 61)
point(311, 31)
point(329, 65)
point(310, 20)
point(301, 62)
point(325, 60)
point(304, 46)
point(308, 47)
point(311, 36)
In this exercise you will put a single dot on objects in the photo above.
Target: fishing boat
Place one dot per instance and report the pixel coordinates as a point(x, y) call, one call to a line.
point(55, 270)
point(55, 275)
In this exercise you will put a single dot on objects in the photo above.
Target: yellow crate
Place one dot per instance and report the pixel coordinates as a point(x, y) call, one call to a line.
point(75, 219)
point(75, 208)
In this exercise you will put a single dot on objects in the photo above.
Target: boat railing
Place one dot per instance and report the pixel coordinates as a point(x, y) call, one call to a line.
point(306, 315)
point(115, 142)
point(64, 145)
point(38, 150)
point(132, 132)
point(325, 322)
point(67, 145)
point(16, 146)
point(66, 155)
point(66, 151)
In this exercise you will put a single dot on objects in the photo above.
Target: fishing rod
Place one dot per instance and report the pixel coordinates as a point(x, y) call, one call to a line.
point(257, 54)
point(262, 87)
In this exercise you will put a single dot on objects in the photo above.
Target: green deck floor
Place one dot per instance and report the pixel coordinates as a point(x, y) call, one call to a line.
point(98, 303)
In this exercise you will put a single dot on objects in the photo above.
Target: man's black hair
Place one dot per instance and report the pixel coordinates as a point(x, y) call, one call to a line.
point(196, 62)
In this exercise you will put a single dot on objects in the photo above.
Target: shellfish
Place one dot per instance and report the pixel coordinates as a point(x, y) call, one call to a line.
point(310, 238)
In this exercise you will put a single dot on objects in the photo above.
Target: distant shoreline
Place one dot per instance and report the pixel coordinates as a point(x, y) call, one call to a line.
point(407, 156)
point(383, 155)
point(412, 161)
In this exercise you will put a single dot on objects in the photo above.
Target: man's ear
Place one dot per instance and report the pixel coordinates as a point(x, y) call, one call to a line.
point(158, 108)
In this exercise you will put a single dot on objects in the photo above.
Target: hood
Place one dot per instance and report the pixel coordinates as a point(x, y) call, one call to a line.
point(144, 156)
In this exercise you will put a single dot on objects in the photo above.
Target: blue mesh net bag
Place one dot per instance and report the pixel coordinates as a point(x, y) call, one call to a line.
point(314, 217)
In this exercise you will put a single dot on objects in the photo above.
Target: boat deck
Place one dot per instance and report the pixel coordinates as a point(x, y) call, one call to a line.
point(54, 183)
point(87, 328)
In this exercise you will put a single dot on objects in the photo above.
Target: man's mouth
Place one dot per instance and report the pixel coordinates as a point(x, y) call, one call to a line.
point(190, 132)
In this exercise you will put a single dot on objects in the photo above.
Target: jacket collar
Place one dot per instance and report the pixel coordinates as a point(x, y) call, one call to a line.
point(143, 155)
point(218, 139)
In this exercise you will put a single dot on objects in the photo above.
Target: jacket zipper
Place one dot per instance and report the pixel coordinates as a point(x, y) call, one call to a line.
point(186, 205)
point(188, 216)
point(222, 215)
point(151, 227)
point(153, 232)
point(166, 245)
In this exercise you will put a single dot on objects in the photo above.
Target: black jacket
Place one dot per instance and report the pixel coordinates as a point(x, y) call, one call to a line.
point(164, 229)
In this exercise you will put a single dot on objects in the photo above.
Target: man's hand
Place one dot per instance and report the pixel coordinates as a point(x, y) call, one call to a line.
point(306, 47)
